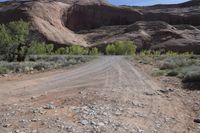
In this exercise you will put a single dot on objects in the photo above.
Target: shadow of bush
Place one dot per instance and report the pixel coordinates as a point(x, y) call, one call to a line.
point(191, 86)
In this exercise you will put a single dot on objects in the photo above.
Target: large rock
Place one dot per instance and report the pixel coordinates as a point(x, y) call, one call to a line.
point(96, 23)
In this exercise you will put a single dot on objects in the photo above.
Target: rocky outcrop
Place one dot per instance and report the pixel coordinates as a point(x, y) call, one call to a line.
point(81, 17)
point(96, 23)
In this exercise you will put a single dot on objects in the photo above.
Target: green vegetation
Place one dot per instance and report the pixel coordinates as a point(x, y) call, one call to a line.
point(3, 70)
point(185, 66)
point(14, 40)
point(121, 48)
point(77, 50)
point(42, 48)
point(42, 62)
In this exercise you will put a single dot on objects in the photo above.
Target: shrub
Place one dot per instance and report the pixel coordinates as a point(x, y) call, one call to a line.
point(39, 48)
point(158, 73)
point(110, 49)
point(94, 51)
point(78, 50)
point(173, 73)
point(4, 70)
point(62, 51)
point(42, 66)
point(121, 48)
point(190, 74)
point(176, 62)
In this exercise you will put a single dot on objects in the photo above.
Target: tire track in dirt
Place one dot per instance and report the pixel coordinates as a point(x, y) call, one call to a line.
point(110, 81)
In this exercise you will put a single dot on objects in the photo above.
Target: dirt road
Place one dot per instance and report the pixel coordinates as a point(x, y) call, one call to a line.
point(108, 94)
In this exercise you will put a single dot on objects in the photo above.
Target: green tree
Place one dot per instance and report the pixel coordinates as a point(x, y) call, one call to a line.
point(110, 50)
point(14, 40)
point(39, 48)
point(94, 51)
point(121, 48)
point(62, 51)
point(78, 50)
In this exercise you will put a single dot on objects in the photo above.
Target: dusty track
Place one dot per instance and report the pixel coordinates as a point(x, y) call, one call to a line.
point(109, 93)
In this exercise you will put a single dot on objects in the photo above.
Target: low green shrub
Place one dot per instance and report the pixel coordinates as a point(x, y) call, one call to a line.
point(77, 50)
point(176, 62)
point(42, 62)
point(190, 74)
point(158, 73)
point(39, 48)
point(121, 48)
point(94, 51)
point(4, 70)
point(173, 73)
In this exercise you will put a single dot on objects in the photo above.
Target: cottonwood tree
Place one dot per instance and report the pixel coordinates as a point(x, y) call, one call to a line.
point(14, 40)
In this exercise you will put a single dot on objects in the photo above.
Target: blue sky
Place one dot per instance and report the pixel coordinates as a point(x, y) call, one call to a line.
point(144, 2)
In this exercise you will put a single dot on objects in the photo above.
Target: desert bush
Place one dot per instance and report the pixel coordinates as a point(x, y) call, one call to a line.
point(171, 53)
point(158, 73)
point(4, 70)
point(176, 62)
point(110, 49)
point(42, 62)
point(78, 50)
point(38, 48)
point(62, 51)
point(121, 48)
point(191, 74)
point(173, 73)
point(94, 51)
point(43, 65)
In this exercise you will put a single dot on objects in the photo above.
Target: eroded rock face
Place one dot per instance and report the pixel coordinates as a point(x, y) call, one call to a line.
point(96, 23)
point(81, 17)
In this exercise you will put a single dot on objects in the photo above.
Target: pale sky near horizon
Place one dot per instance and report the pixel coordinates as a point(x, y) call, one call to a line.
point(144, 2)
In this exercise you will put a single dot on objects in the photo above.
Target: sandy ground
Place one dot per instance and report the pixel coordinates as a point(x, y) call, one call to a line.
point(108, 94)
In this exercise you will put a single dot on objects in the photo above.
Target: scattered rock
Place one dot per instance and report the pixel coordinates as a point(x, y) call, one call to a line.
point(34, 131)
point(101, 124)
point(5, 75)
point(164, 91)
point(6, 125)
point(33, 97)
point(84, 122)
point(197, 120)
point(49, 106)
point(140, 130)
point(149, 93)
point(118, 113)
point(34, 120)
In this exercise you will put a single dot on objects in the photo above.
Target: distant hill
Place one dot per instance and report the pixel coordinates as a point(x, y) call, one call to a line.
point(96, 23)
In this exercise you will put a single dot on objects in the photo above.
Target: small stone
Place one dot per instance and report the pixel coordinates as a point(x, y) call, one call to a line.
point(118, 113)
point(34, 131)
point(101, 124)
point(7, 125)
point(34, 120)
point(140, 131)
point(5, 75)
point(149, 93)
point(49, 106)
point(17, 131)
point(84, 122)
point(197, 120)
point(33, 97)
point(164, 91)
